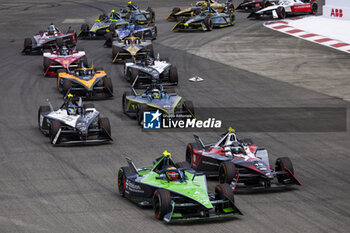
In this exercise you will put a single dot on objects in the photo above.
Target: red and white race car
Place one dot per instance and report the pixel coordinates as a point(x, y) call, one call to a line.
point(284, 8)
point(63, 58)
point(47, 39)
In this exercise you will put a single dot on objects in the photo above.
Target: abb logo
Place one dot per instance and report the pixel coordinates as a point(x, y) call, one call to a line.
point(337, 13)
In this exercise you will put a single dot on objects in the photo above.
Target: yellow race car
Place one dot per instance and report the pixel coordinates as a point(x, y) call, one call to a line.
point(176, 13)
point(85, 81)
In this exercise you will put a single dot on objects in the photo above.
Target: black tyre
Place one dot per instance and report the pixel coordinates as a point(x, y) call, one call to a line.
point(151, 50)
point(247, 140)
point(85, 28)
point(123, 172)
point(28, 44)
point(223, 192)
point(170, 91)
point(281, 12)
point(46, 64)
point(314, 8)
point(105, 126)
point(189, 152)
point(85, 62)
point(66, 86)
point(109, 39)
point(232, 19)
point(88, 105)
point(197, 11)
point(115, 52)
point(183, 164)
point(54, 128)
point(141, 108)
point(188, 107)
point(208, 22)
point(40, 111)
point(161, 203)
point(282, 164)
point(108, 86)
point(59, 42)
point(133, 74)
point(173, 75)
point(102, 16)
point(125, 101)
point(227, 172)
point(176, 10)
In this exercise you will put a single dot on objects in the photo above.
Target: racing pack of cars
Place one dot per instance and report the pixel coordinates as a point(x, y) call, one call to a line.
point(176, 191)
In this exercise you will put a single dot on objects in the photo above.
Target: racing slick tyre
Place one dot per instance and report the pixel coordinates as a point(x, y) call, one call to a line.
point(85, 29)
point(46, 64)
point(282, 164)
point(123, 171)
point(183, 164)
point(189, 152)
point(153, 14)
point(170, 91)
point(28, 45)
point(197, 11)
point(66, 86)
point(161, 203)
point(88, 105)
point(42, 125)
point(109, 39)
point(54, 128)
point(264, 4)
point(188, 107)
point(141, 108)
point(115, 52)
point(247, 140)
point(208, 23)
point(151, 50)
point(102, 16)
point(85, 62)
point(227, 172)
point(176, 10)
point(223, 192)
point(281, 12)
point(165, 59)
point(105, 126)
point(173, 75)
point(108, 86)
point(125, 101)
point(314, 8)
point(232, 19)
point(133, 74)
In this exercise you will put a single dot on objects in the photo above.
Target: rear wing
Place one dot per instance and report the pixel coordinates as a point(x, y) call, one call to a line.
point(199, 141)
point(132, 167)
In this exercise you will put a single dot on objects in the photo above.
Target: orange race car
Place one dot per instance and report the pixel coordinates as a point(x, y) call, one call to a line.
point(85, 81)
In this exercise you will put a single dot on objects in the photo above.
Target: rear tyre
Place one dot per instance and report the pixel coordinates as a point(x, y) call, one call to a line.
point(161, 203)
point(189, 152)
point(46, 64)
point(105, 127)
point(115, 52)
point(28, 44)
point(133, 74)
point(173, 75)
point(223, 192)
point(208, 23)
point(109, 39)
point(123, 172)
point(108, 86)
point(281, 165)
point(281, 12)
point(125, 101)
point(314, 8)
point(232, 19)
point(141, 108)
point(183, 164)
point(227, 172)
point(89, 105)
point(54, 128)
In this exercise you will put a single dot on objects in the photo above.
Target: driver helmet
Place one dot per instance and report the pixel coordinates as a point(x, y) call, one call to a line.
point(155, 94)
point(172, 174)
point(236, 150)
point(64, 51)
point(149, 61)
point(71, 109)
point(51, 29)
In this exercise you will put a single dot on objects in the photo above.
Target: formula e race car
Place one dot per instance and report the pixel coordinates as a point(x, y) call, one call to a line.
point(150, 69)
point(148, 32)
point(239, 162)
point(48, 39)
point(133, 14)
point(103, 25)
point(131, 48)
point(62, 58)
point(85, 81)
point(155, 98)
point(284, 8)
point(177, 13)
point(176, 192)
point(206, 21)
point(73, 123)
point(254, 5)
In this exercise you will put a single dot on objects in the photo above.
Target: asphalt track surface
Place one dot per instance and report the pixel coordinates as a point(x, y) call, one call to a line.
point(73, 189)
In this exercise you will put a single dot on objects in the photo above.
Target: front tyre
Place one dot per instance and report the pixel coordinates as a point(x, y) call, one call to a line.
point(161, 203)
point(227, 172)
point(282, 164)
point(224, 192)
point(189, 152)
point(123, 172)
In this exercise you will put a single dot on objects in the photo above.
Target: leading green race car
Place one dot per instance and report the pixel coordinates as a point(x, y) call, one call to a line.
point(176, 192)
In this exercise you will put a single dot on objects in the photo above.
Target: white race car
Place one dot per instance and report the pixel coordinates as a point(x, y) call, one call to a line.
point(73, 123)
point(144, 72)
point(283, 8)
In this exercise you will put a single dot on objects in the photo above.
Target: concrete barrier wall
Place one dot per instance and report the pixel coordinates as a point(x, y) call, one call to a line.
point(337, 9)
